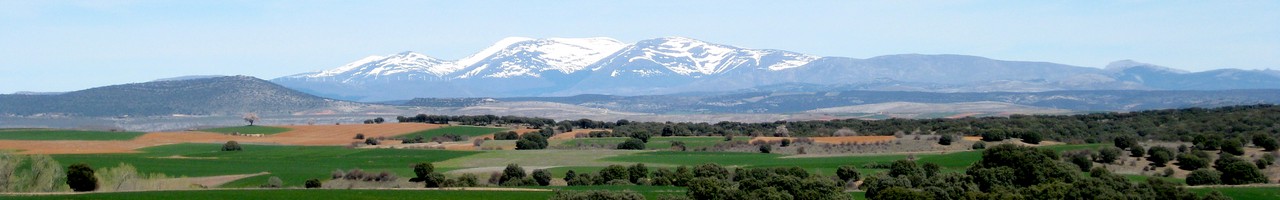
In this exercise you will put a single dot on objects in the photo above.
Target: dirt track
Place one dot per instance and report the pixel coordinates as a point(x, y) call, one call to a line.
point(318, 135)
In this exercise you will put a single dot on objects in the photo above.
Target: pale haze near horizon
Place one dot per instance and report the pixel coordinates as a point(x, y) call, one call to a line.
point(74, 45)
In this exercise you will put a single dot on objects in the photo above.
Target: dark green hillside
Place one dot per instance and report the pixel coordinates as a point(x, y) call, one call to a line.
point(228, 95)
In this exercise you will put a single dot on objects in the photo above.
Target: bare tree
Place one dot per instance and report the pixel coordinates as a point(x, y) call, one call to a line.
point(251, 117)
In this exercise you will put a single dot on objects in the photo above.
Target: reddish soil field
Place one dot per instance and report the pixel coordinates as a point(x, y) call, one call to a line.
point(318, 135)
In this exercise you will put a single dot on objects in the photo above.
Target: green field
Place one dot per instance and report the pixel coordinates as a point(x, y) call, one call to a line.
point(1241, 193)
point(293, 164)
point(301, 194)
point(469, 131)
point(819, 165)
point(54, 134)
point(266, 130)
point(656, 143)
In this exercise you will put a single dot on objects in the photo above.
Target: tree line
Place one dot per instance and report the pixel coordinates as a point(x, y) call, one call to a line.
point(1189, 124)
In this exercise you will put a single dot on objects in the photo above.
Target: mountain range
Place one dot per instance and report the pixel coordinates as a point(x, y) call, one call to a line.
point(517, 67)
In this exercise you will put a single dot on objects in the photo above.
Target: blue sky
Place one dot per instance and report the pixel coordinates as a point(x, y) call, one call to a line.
point(73, 45)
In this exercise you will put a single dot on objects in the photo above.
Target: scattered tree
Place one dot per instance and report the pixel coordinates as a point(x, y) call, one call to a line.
point(1159, 155)
point(512, 172)
point(1137, 151)
point(1232, 147)
point(1032, 138)
point(979, 145)
point(531, 141)
point(1189, 161)
point(1124, 142)
point(1081, 159)
point(421, 170)
point(1236, 171)
point(642, 135)
point(637, 172)
point(1266, 142)
point(509, 135)
point(1108, 154)
point(568, 176)
point(359, 136)
point(1204, 177)
point(542, 176)
point(766, 148)
point(251, 118)
point(632, 144)
point(81, 178)
point(945, 140)
point(848, 173)
point(372, 141)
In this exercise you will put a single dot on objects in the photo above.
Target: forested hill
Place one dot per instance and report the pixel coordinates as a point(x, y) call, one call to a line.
point(1190, 124)
point(227, 95)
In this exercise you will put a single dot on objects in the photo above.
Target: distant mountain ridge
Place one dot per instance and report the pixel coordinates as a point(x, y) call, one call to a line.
point(514, 67)
point(221, 95)
point(786, 99)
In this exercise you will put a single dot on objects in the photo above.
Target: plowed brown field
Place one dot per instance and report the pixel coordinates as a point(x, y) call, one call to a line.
point(319, 135)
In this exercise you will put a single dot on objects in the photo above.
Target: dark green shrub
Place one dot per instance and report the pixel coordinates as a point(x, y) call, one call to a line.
point(231, 146)
point(1204, 177)
point(542, 176)
point(632, 144)
point(81, 179)
point(312, 183)
point(848, 173)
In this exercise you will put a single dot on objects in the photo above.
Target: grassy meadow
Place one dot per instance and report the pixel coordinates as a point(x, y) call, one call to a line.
point(55, 134)
point(469, 131)
point(293, 164)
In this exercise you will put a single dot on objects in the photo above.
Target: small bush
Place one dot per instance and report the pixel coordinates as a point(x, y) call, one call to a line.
point(979, 145)
point(371, 141)
point(359, 136)
point(274, 182)
point(312, 183)
point(945, 140)
point(231, 146)
point(632, 144)
point(766, 148)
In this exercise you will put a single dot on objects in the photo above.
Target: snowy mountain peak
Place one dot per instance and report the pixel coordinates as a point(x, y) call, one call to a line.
point(691, 57)
point(533, 57)
point(497, 46)
point(349, 66)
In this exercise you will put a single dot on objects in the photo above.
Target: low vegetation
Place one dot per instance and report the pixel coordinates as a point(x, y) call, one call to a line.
point(54, 134)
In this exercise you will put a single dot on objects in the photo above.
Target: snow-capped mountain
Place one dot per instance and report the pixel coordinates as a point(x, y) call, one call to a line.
point(518, 66)
point(679, 56)
point(534, 57)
